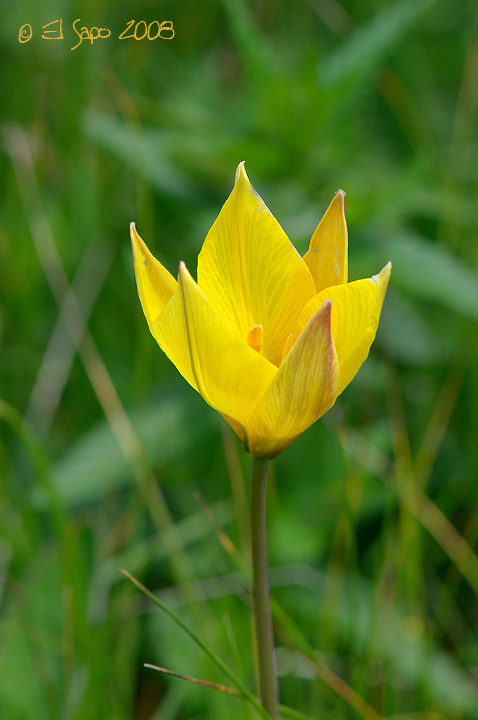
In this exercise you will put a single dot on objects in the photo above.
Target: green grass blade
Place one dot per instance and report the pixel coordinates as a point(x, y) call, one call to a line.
point(237, 682)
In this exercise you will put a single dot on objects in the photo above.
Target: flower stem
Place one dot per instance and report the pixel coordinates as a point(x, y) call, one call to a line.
point(261, 598)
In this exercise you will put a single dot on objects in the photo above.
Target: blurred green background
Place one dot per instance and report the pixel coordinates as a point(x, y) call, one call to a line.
point(373, 519)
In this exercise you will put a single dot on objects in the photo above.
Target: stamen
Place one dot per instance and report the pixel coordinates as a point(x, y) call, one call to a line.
point(255, 337)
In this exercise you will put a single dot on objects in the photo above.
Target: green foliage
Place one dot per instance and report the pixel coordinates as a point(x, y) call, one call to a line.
point(373, 520)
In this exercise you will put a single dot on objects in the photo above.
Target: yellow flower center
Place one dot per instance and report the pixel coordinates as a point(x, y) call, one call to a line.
point(255, 337)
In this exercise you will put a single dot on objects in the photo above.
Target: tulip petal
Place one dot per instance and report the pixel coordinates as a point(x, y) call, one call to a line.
point(327, 255)
point(356, 308)
point(229, 374)
point(155, 284)
point(301, 392)
point(251, 273)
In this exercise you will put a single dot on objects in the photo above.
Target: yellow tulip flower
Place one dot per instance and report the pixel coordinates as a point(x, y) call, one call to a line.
point(268, 338)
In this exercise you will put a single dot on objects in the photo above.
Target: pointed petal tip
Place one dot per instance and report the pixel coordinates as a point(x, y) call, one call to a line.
point(155, 284)
point(136, 240)
point(241, 172)
point(183, 273)
point(339, 200)
point(321, 321)
point(181, 269)
point(326, 257)
point(137, 243)
point(384, 274)
point(141, 252)
point(323, 314)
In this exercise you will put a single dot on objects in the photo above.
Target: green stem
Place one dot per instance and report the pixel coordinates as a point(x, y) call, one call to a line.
point(261, 598)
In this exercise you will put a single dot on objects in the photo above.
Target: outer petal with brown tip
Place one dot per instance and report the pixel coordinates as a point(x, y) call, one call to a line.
point(356, 309)
point(303, 389)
